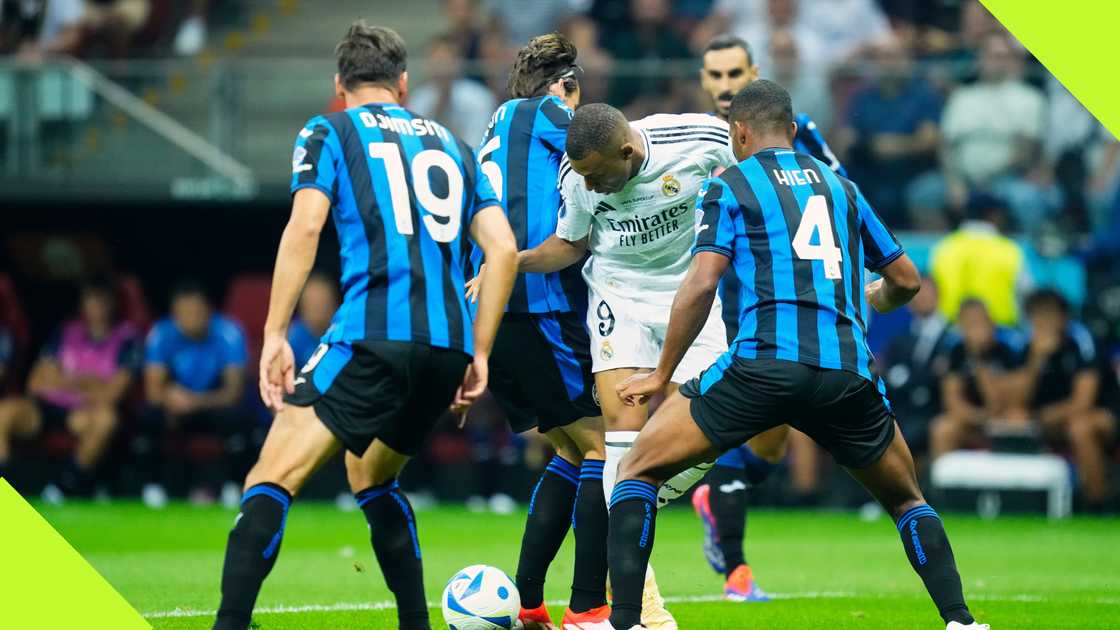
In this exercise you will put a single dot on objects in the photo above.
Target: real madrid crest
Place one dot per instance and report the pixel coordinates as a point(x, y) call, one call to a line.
point(670, 187)
point(606, 351)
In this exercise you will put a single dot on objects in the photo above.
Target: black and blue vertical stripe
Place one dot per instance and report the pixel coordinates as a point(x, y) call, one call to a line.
point(788, 308)
point(526, 142)
point(397, 287)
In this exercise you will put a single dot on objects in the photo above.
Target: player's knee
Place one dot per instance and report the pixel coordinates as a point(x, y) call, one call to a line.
point(570, 453)
point(771, 451)
point(637, 464)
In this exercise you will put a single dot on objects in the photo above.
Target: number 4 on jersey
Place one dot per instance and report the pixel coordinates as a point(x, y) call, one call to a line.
point(815, 218)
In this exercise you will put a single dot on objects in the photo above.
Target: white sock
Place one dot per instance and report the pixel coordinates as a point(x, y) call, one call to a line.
point(678, 485)
point(619, 444)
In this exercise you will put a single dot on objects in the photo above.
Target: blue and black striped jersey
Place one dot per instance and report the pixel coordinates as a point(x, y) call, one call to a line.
point(808, 140)
point(403, 192)
point(521, 154)
point(799, 237)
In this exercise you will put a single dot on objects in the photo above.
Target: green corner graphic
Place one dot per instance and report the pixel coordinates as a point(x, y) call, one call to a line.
point(45, 584)
point(1075, 42)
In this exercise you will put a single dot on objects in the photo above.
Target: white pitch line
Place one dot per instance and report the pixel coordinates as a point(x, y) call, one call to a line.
point(690, 599)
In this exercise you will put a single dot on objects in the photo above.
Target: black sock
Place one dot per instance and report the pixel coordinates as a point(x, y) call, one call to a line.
point(632, 523)
point(392, 527)
point(251, 552)
point(589, 584)
point(928, 548)
point(550, 516)
point(728, 499)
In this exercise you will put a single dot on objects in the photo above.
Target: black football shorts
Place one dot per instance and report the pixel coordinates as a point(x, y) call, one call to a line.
point(737, 398)
point(389, 390)
point(540, 370)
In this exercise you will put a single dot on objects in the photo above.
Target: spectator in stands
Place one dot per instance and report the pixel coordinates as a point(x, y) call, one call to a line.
point(890, 135)
point(978, 261)
point(77, 384)
point(477, 45)
point(316, 309)
point(1059, 387)
point(645, 86)
point(194, 377)
point(53, 27)
point(464, 106)
point(914, 364)
point(992, 133)
point(806, 82)
point(976, 390)
point(519, 25)
point(111, 24)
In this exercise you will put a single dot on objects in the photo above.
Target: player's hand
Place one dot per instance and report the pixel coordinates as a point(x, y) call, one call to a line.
point(178, 401)
point(637, 389)
point(277, 371)
point(474, 383)
point(874, 292)
point(474, 285)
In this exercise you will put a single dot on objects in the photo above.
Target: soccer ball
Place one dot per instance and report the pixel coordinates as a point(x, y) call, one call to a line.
point(480, 598)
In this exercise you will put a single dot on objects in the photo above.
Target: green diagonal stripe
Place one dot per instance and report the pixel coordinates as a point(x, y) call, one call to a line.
point(45, 584)
point(1076, 41)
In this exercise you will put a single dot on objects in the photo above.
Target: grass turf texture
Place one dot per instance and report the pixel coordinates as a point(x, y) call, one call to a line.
point(826, 570)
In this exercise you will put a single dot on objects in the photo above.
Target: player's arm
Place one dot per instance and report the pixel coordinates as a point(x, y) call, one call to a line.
point(491, 230)
point(883, 254)
point(294, 259)
point(693, 302)
point(899, 284)
point(554, 254)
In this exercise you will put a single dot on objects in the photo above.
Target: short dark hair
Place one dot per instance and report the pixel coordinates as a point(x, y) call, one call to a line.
point(187, 287)
point(1046, 298)
point(370, 54)
point(725, 41)
point(763, 106)
point(593, 127)
point(542, 61)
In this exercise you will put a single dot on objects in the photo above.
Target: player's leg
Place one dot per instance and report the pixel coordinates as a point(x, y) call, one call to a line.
point(726, 510)
point(589, 520)
point(620, 422)
point(19, 418)
point(392, 527)
point(403, 389)
point(298, 443)
point(669, 443)
point(854, 423)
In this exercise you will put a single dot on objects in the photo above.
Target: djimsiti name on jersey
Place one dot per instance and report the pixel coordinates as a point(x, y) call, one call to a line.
point(414, 127)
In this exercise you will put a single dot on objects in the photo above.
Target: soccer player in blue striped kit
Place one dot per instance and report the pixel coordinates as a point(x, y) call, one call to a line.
point(799, 237)
point(541, 363)
point(721, 502)
point(402, 190)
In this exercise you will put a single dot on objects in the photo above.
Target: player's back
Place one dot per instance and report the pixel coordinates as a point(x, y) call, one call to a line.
point(521, 154)
point(799, 236)
point(403, 192)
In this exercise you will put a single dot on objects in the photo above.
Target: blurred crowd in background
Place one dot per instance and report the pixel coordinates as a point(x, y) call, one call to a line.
point(1004, 187)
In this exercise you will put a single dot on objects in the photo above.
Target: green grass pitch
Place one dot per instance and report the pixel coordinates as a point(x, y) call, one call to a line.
point(826, 570)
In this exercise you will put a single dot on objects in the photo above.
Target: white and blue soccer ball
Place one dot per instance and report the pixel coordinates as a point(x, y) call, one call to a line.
point(480, 598)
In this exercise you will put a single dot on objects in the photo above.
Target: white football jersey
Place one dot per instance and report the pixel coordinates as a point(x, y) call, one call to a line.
point(641, 237)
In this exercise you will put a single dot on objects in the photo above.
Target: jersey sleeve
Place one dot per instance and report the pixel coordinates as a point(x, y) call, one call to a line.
point(576, 210)
point(551, 124)
point(315, 158)
point(880, 247)
point(716, 208)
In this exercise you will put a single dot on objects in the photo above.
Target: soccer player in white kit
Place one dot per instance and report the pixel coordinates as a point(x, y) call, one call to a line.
point(629, 193)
